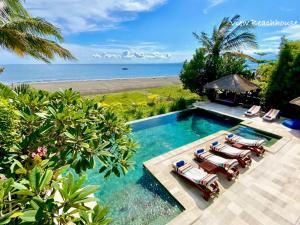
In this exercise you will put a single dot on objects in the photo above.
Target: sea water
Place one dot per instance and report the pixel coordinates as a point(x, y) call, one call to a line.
point(73, 72)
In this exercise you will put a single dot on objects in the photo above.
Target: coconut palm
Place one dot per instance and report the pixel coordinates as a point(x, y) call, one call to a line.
point(227, 39)
point(25, 35)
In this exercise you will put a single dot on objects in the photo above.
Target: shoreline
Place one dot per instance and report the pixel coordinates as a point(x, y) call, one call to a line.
point(80, 80)
point(94, 87)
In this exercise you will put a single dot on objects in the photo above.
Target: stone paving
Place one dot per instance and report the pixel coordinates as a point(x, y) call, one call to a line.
point(268, 192)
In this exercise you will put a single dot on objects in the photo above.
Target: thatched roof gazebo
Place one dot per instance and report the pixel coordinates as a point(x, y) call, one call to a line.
point(233, 84)
point(295, 101)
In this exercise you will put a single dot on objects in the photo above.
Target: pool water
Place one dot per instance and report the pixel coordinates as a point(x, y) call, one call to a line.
point(251, 133)
point(138, 198)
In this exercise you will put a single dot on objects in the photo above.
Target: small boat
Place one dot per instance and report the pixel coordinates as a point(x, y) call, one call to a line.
point(124, 68)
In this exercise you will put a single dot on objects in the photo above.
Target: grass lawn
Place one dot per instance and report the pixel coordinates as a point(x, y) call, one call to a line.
point(139, 104)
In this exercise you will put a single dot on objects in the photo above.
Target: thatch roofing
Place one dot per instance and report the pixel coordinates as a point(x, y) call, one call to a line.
point(295, 101)
point(233, 83)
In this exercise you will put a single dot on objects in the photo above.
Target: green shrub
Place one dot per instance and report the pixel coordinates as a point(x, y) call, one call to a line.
point(9, 126)
point(162, 109)
point(139, 114)
point(179, 104)
point(284, 82)
point(152, 112)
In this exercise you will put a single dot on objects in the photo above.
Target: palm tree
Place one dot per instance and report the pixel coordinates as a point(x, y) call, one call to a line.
point(25, 35)
point(227, 39)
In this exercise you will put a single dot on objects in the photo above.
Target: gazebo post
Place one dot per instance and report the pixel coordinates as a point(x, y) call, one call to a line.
point(234, 99)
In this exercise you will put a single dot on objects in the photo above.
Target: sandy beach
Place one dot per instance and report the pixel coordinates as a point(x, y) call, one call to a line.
point(93, 87)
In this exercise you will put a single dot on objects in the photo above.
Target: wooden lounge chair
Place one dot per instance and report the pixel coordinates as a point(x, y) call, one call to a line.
point(215, 164)
point(272, 115)
point(254, 110)
point(255, 146)
point(242, 156)
point(206, 183)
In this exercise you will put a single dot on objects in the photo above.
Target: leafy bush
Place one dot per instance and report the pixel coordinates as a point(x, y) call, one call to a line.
point(56, 132)
point(192, 75)
point(284, 82)
point(162, 109)
point(9, 122)
point(233, 65)
point(179, 104)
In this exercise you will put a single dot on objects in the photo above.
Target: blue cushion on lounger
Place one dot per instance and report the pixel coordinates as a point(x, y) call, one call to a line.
point(230, 135)
point(215, 143)
point(292, 123)
point(200, 151)
point(180, 163)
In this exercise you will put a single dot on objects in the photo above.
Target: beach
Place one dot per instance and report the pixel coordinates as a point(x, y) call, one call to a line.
point(93, 87)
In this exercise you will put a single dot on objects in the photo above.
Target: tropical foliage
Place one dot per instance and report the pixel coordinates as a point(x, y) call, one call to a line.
point(194, 73)
point(220, 54)
point(283, 77)
point(43, 136)
point(24, 35)
point(226, 39)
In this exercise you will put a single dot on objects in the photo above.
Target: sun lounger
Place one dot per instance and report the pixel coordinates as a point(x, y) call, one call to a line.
point(242, 156)
point(254, 110)
point(206, 183)
point(255, 146)
point(216, 164)
point(273, 114)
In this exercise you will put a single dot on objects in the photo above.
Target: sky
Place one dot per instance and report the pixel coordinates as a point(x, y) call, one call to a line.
point(155, 31)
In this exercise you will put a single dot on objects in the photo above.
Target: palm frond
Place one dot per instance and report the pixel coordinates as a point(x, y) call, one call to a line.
point(243, 27)
point(11, 9)
point(13, 40)
point(245, 39)
point(25, 35)
point(46, 50)
point(235, 19)
point(204, 40)
point(37, 26)
point(242, 55)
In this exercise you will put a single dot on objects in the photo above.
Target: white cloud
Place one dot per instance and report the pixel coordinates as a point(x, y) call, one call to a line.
point(291, 32)
point(263, 49)
point(90, 15)
point(114, 52)
point(271, 44)
point(213, 3)
point(135, 52)
point(272, 38)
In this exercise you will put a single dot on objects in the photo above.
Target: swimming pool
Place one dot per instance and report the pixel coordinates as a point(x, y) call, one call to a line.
point(138, 198)
point(252, 133)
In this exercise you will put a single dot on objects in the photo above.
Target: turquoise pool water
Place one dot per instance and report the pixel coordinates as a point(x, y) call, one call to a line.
point(252, 133)
point(138, 198)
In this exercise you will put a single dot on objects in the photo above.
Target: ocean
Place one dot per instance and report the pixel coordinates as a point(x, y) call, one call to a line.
point(76, 72)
